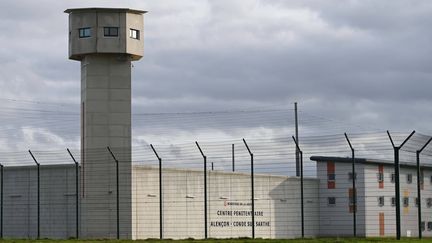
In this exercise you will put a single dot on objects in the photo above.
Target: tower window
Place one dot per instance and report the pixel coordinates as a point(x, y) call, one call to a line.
point(110, 31)
point(84, 32)
point(429, 226)
point(134, 34)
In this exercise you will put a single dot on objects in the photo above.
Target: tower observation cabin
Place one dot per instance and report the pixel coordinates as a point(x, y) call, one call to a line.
point(105, 30)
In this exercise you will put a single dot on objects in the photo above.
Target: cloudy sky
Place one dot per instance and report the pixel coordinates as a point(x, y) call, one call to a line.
point(351, 63)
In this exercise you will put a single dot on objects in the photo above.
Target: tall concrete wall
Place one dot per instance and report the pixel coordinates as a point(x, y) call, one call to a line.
point(57, 201)
point(277, 205)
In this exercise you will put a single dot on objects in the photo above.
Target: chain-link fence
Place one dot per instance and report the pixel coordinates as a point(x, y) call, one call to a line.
point(361, 185)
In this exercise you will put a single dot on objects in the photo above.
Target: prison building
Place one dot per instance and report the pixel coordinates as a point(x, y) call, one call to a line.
point(375, 189)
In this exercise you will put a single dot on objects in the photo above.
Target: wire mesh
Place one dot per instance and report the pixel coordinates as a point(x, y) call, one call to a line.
point(126, 195)
point(128, 201)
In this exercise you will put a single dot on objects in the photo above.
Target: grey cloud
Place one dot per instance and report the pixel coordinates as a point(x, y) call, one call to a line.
point(363, 62)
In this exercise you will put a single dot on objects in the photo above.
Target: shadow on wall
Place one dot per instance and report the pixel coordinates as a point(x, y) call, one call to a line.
point(57, 202)
point(286, 198)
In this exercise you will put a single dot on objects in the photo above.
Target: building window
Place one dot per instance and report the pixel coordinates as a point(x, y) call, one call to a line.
point(431, 180)
point(381, 201)
point(134, 34)
point(84, 32)
point(429, 202)
point(393, 201)
point(429, 226)
point(409, 178)
point(381, 224)
point(422, 225)
point(331, 175)
point(352, 200)
point(416, 202)
point(111, 31)
point(393, 178)
point(331, 201)
point(406, 201)
point(421, 180)
point(350, 176)
point(380, 177)
point(352, 196)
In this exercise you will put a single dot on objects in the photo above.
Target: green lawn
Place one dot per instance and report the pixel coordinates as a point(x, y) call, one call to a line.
point(322, 240)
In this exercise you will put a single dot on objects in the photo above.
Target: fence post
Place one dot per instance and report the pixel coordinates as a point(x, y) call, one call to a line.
point(38, 193)
point(205, 190)
point(418, 187)
point(252, 188)
point(297, 140)
point(354, 190)
point(77, 194)
point(233, 158)
point(117, 192)
point(1, 200)
point(397, 182)
point(160, 193)
point(301, 186)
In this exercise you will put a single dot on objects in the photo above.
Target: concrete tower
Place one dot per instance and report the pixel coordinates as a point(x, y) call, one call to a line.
point(105, 40)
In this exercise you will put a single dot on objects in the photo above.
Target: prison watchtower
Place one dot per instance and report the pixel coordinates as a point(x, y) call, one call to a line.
point(105, 41)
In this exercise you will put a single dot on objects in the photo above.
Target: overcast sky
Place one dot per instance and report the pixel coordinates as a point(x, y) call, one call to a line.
point(365, 63)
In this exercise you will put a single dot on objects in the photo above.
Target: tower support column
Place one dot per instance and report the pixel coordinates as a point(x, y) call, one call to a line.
point(106, 114)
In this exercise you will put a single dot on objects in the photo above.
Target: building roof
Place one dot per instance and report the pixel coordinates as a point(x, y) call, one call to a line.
point(366, 161)
point(82, 10)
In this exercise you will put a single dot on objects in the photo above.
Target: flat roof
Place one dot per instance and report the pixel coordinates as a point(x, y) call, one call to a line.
point(129, 10)
point(366, 161)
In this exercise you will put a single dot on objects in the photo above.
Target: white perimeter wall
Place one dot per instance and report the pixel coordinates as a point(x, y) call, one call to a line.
point(277, 205)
